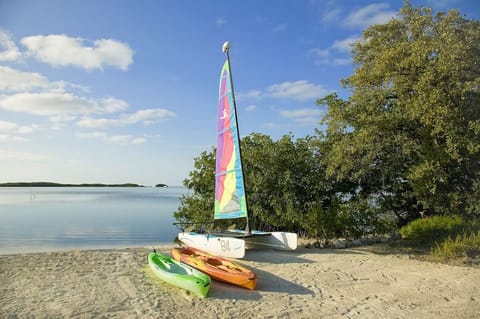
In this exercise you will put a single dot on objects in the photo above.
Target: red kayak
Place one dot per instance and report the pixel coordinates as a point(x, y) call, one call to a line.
point(218, 268)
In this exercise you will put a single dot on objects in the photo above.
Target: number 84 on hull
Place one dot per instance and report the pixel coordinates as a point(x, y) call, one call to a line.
point(228, 247)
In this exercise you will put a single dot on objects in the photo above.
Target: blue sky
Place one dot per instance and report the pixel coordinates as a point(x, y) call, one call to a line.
point(126, 91)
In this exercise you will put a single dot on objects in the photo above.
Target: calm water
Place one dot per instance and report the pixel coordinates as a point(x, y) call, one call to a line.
point(45, 219)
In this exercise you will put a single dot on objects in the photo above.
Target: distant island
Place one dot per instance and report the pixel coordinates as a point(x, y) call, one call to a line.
point(50, 184)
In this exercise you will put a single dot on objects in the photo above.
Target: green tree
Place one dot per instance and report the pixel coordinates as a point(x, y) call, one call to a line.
point(286, 189)
point(197, 205)
point(407, 139)
point(283, 180)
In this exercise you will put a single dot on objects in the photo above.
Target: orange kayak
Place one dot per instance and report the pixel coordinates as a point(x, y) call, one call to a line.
point(218, 268)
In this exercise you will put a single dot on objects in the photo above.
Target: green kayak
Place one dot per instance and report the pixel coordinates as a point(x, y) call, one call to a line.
point(179, 274)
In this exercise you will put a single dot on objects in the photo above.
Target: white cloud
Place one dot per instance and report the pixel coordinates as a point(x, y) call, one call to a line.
point(114, 139)
point(270, 125)
point(332, 16)
point(345, 45)
point(96, 123)
point(252, 94)
point(7, 126)
point(375, 13)
point(303, 116)
point(25, 129)
point(336, 53)
point(61, 50)
point(299, 90)
point(12, 138)
point(251, 108)
point(32, 93)
point(35, 95)
point(280, 28)
point(220, 21)
point(14, 80)
point(342, 61)
point(150, 116)
point(319, 53)
point(139, 140)
point(57, 104)
point(8, 49)
point(99, 135)
point(147, 116)
point(14, 128)
point(15, 155)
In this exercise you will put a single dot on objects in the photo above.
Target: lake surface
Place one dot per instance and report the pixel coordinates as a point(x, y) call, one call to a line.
point(42, 219)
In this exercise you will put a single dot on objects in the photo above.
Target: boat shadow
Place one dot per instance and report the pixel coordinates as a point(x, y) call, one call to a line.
point(275, 256)
point(267, 282)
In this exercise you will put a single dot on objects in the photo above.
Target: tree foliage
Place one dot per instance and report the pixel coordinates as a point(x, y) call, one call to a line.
point(286, 190)
point(409, 133)
point(197, 206)
point(281, 180)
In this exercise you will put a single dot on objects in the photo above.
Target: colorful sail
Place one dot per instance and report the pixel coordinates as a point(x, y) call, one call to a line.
point(230, 199)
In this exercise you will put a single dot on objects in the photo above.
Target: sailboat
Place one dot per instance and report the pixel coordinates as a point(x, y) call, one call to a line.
point(230, 194)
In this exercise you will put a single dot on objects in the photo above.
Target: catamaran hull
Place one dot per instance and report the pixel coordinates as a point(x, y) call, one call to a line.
point(276, 240)
point(227, 247)
point(234, 246)
point(261, 239)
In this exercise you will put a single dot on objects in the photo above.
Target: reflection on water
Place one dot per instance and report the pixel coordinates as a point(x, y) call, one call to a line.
point(45, 219)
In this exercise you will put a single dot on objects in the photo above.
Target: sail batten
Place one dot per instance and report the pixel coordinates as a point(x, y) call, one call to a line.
point(230, 201)
point(224, 131)
point(224, 173)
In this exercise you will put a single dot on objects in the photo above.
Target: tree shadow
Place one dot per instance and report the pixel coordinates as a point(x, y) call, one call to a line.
point(336, 251)
point(296, 256)
point(395, 248)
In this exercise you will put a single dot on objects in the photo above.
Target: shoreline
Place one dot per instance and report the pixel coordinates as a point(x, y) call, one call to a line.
point(49, 250)
point(305, 283)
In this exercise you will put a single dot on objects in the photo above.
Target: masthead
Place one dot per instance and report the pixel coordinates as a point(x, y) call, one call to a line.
point(226, 46)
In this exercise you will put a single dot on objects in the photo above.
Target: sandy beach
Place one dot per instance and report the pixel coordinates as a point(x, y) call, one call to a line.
point(307, 283)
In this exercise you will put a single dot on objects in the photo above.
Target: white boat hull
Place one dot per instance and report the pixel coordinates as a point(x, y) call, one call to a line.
point(227, 247)
point(276, 240)
point(234, 246)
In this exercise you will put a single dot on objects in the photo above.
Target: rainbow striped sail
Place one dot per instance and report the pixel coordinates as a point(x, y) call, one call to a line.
point(230, 199)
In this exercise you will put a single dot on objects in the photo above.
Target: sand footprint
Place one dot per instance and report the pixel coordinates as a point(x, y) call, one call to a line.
point(127, 286)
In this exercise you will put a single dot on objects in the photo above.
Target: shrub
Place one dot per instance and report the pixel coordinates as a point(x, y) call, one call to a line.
point(465, 245)
point(429, 231)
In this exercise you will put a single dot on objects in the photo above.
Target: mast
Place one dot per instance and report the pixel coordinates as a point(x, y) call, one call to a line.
point(226, 49)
